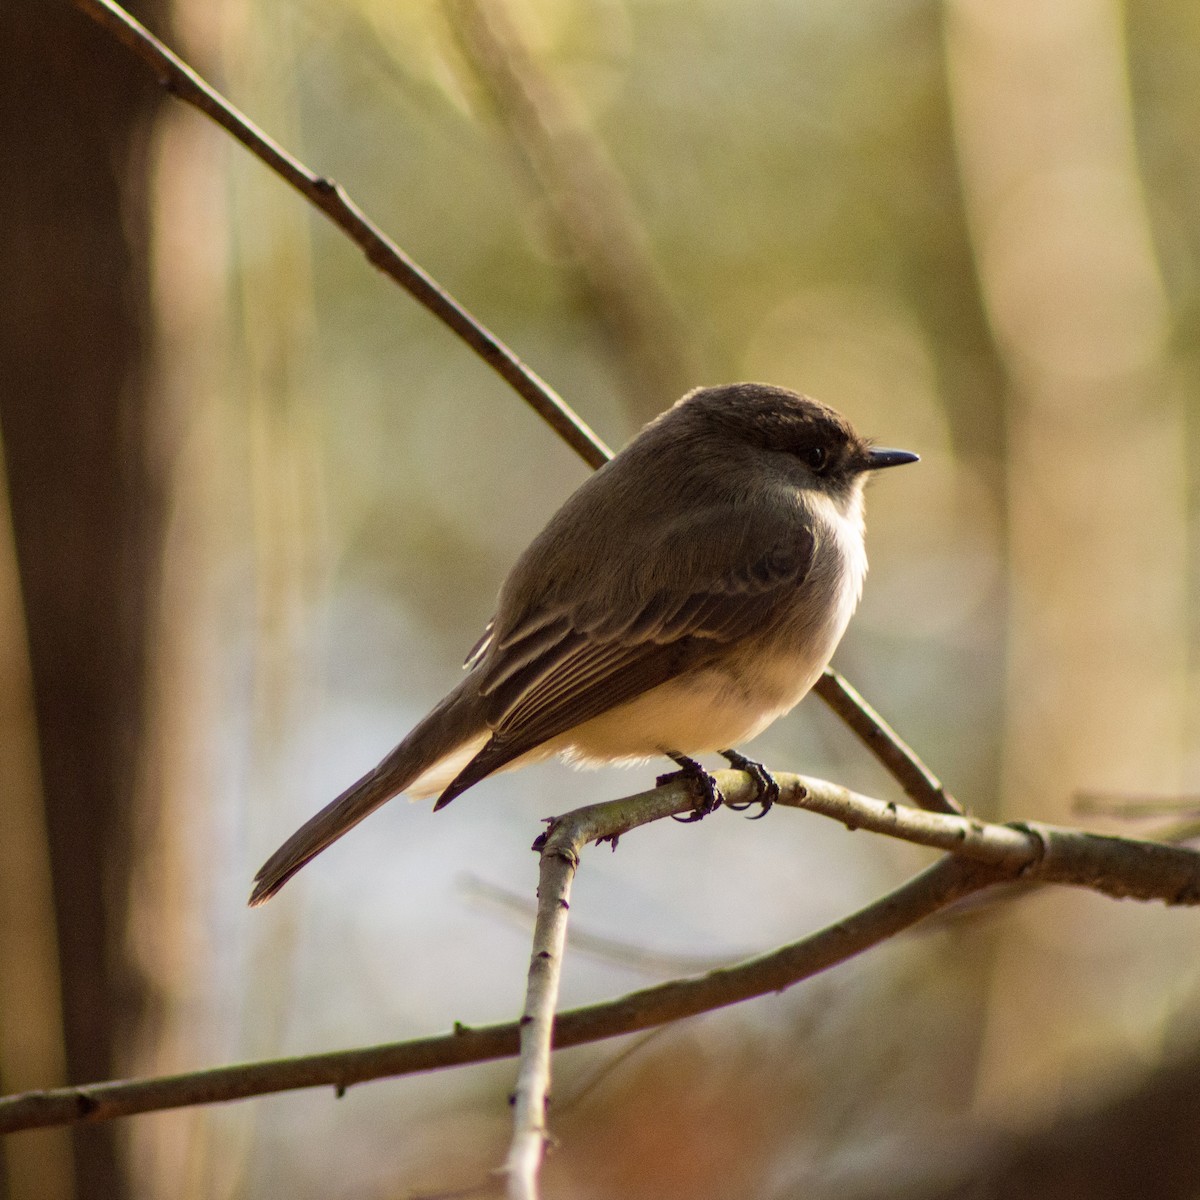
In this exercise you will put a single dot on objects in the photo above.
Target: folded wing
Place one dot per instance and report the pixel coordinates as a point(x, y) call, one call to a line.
point(556, 667)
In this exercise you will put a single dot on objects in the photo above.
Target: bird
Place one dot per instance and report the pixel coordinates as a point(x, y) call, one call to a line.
point(686, 595)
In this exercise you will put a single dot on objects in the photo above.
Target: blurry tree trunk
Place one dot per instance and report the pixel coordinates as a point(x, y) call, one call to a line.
point(1134, 1141)
point(588, 205)
point(1097, 646)
point(78, 431)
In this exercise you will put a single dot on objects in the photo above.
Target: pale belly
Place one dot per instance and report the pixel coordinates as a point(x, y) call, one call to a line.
point(711, 709)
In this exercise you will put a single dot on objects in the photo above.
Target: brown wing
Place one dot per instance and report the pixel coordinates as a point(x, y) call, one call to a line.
point(547, 674)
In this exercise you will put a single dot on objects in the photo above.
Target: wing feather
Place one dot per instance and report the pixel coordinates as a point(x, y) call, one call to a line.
point(553, 670)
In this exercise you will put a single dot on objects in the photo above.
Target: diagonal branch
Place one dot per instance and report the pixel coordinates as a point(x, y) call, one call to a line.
point(920, 784)
point(179, 79)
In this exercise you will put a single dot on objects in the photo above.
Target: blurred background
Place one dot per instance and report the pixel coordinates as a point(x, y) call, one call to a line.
point(257, 504)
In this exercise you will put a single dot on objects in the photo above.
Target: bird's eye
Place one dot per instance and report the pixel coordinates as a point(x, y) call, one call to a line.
point(816, 458)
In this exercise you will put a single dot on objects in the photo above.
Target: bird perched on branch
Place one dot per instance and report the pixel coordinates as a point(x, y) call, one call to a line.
point(684, 597)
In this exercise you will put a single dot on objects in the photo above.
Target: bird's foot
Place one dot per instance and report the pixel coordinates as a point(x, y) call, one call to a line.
point(767, 790)
point(708, 795)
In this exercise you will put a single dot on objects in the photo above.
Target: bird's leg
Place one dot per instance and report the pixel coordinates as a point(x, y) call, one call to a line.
point(708, 795)
point(764, 783)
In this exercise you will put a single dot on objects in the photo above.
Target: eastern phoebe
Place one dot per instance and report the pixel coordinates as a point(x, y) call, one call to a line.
point(687, 595)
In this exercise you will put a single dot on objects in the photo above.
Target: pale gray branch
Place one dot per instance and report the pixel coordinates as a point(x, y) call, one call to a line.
point(557, 870)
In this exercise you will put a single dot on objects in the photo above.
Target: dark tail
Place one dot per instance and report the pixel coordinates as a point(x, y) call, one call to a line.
point(448, 727)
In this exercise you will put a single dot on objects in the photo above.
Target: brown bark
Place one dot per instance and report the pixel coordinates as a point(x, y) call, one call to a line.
point(76, 413)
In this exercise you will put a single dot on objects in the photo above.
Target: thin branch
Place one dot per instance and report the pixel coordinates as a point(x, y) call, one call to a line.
point(920, 784)
point(1114, 866)
point(1122, 868)
point(557, 870)
point(179, 79)
point(935, 888)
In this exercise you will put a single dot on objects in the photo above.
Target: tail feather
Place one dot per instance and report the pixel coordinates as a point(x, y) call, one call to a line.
point(339, 817)
point(443, 734)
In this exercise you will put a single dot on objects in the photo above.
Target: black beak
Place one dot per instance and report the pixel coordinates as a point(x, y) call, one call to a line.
point(878, 458)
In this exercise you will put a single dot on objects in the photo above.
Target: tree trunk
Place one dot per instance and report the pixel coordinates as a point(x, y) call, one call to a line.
point(77, 419)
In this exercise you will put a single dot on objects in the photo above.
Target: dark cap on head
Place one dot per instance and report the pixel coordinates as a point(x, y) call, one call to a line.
point(775, 418)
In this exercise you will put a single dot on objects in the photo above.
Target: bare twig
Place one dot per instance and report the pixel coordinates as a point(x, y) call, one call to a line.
point(1123, 868)
point(179, 79)
point(920, 784)
point(560, 846)
point(537, 1022)
point(1115, 866)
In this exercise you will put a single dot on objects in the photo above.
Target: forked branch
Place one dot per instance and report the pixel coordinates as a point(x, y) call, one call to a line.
point(986, 855)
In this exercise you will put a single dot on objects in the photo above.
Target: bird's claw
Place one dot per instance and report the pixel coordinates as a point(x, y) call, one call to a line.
point(765, 786)
point(708, 794)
